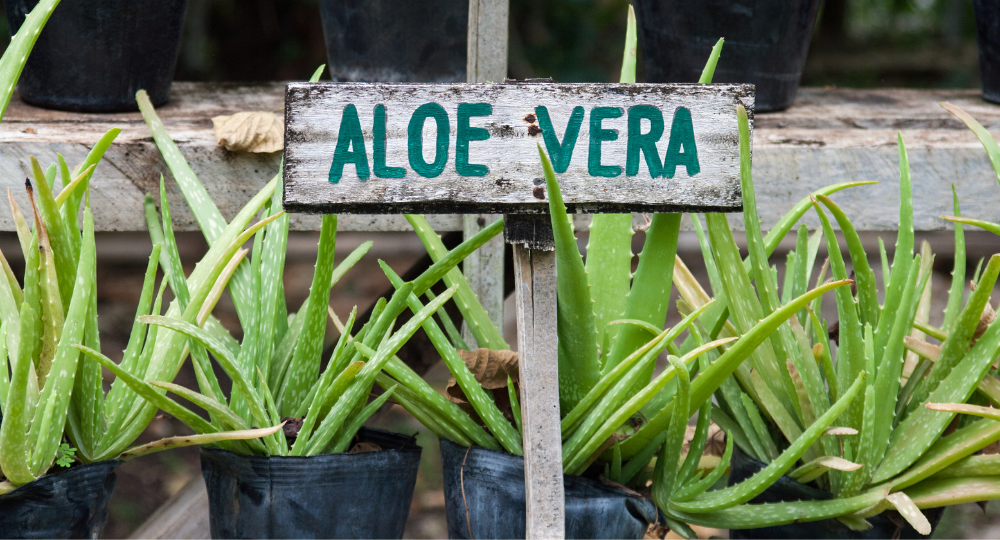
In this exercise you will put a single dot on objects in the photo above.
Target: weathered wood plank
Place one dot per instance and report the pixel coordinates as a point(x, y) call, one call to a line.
point(829, 135)
point(487, 161)
point(185, 515)
point(486, 60)
point(535, 292)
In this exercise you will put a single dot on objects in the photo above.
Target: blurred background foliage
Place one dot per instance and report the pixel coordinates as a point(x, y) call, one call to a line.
point(857, 43)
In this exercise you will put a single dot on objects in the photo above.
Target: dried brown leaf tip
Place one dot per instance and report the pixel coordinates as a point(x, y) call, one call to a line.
point(256, 131)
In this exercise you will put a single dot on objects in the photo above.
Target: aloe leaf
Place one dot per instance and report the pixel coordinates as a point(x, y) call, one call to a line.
point(576, 459)
point(65, 256)
point(948, 492)
point(609, 250)
point(887, 373)
point(326, 397)
point(864, 276)
point(14, 460)
point(222, 355)
point(579, 368)
point(949, 449)
point(454, 335)
point(990, 144)
point(570, 421)
point(194, 440)
point(486, 333)
point(692, 490)
point(955, 347)
point(363, 382)
point(978, 465)
point(50, 419)
point(820, 466)
point(481, 402)
point(408, 378)
point(957, 290)
point(917, 433)
point(351, 429)
point(985, 225)
point(708, 381)
point(210, 220)
point(752, 516)
point(745, 308)
point(757, 423)
point(649, 297)
point(304, 366)
point(753, 486)
point(19, 48)
point(667, 463)
point(901, 259)
point(282, 354)
point(166, 351)
point(272, 269)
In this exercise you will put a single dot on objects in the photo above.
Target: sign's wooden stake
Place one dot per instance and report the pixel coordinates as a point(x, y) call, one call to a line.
point(486, 62)
point(538, 343)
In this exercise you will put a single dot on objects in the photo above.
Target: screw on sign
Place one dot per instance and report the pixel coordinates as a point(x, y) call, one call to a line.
point(473, 148)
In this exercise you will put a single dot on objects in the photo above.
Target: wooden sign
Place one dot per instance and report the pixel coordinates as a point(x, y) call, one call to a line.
point(465, 148)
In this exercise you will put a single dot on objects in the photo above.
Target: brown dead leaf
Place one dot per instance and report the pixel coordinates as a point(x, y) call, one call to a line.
point(491, 368)
point(715, 444)
point(364, 447)
point(256, 131)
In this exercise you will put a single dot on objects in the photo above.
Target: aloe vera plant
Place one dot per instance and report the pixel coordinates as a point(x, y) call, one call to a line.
point(611, 335)
point(47, 395)
point(887, 392)
point(276, 368)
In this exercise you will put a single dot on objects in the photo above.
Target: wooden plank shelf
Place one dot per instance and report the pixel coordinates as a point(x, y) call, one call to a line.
point(828, 136)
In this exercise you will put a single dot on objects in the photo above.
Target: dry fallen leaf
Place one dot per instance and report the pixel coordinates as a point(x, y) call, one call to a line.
point(491, 368)
point(364, 447)
point(257, 132)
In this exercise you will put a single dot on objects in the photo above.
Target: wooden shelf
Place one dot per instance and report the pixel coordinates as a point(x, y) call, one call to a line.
point(828, 136)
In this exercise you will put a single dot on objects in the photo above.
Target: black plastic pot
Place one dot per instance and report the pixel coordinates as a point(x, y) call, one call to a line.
point(70, 503)
point(766, 43)
point(396, 40)
point(93, 55)
point(493, 499)
point(988, 35)
point(363, 495)
point(885, 525)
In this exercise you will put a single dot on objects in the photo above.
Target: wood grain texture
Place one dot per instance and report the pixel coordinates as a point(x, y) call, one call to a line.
point(185, 515)
point(313, 124)
point(486, 59)
point(828, 136)
point(535, 290)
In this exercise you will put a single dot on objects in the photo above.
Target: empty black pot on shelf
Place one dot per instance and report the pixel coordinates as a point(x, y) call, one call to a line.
point(766, 43)
point(361, 495)
point(885, 525)
point(66, 503)
point(484, 497)
point(396, 40)
point(93, 55)
point(988, 36)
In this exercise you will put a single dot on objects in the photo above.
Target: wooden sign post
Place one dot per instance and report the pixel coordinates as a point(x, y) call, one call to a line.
point(473, 149)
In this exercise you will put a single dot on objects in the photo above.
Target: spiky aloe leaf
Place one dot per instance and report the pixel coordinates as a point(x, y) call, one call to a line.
point(14, 460)
point(181, 441)
point(751, 487)
point(50, 418)
point(708, 381)
point(578, 364)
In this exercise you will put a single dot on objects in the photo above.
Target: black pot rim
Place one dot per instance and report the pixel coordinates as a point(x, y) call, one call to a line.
point(409, 447)
point(111, 464)
point(571, 477)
